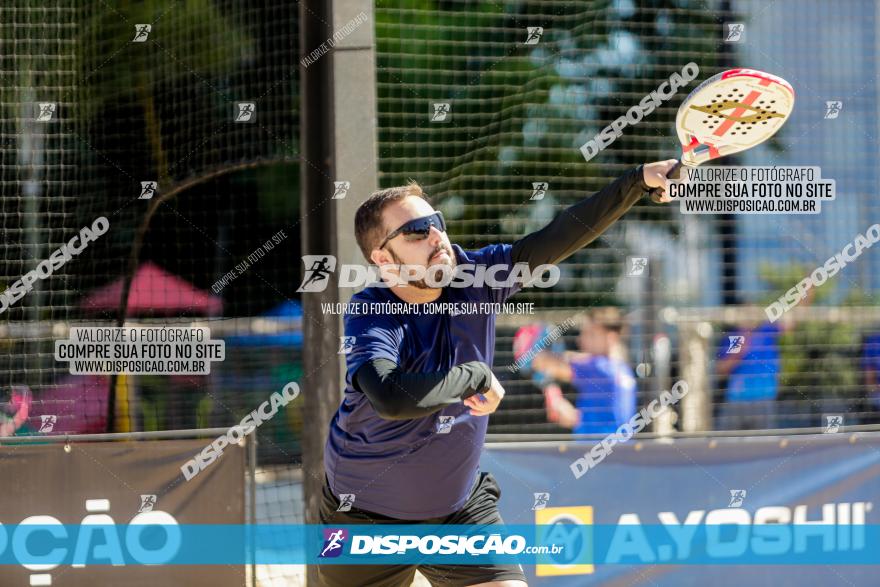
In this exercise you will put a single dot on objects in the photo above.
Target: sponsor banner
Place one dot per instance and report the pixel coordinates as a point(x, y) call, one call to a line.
point(730, 537)
point(724, 511)
point(461, 544)
point(94, 505)
point(159, 543)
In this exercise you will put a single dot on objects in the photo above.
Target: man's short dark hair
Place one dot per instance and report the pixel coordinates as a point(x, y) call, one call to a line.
point(368, 228)
point(608, 318)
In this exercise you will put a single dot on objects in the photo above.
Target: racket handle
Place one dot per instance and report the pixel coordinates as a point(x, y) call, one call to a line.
point(674, 173)
point(552, 398)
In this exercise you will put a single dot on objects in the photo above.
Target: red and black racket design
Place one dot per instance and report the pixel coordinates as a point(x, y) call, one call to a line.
point(728, 113)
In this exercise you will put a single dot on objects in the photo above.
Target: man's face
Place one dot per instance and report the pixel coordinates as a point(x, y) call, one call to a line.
point(433, 251)
point(595, 339)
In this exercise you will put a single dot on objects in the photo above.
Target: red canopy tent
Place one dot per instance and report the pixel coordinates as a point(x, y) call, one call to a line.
point(154, 291)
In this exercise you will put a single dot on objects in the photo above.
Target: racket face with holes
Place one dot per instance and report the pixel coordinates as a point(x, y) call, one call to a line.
point(730, 112)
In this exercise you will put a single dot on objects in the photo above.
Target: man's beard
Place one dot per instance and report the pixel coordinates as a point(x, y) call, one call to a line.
point(437, 275)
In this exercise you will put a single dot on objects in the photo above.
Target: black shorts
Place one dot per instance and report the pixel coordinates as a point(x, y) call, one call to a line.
point(480, 508)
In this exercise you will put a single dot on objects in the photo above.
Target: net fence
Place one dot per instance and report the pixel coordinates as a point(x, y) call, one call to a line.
point(178, 122)
point(525, 85)
point(156, 123)
point(157, 116)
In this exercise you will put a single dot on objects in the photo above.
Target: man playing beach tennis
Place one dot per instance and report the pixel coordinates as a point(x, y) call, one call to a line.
point(404, 445)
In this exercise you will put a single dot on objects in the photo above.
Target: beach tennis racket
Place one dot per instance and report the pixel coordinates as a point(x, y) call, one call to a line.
point(728, 113)
point(525, 340)
point(527, 343)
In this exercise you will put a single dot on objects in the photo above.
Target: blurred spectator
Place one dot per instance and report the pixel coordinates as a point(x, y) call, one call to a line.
point(871, 371)
point(605, 383)
point(749, 359)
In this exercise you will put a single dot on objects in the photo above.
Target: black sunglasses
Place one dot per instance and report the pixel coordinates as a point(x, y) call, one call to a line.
point(418, 228)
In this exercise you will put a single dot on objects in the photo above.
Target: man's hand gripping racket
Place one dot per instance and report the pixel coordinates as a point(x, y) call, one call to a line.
point(728, 113)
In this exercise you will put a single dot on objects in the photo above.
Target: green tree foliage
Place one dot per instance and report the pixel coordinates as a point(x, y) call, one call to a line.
point(520, 112)
point(818, 359)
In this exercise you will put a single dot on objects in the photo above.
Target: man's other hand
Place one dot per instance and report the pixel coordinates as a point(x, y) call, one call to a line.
point(487, 402)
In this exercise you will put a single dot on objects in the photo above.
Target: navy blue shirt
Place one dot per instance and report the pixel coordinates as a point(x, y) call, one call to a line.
point(405, 469)
point(871, 362)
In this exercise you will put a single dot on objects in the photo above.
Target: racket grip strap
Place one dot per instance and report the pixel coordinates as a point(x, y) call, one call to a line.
point(674, 173)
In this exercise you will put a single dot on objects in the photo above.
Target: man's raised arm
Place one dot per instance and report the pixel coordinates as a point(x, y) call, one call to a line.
point(581, 223)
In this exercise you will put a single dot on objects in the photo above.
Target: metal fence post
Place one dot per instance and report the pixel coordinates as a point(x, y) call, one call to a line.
point(252, 516)
point(696, 406)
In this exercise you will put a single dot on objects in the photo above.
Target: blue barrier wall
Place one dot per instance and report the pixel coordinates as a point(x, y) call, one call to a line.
point(833, 479)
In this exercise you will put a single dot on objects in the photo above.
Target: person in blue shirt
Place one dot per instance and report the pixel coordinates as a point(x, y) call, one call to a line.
point(405, 443)
point(749, 359)
point(605, 384)
point(871, 371)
